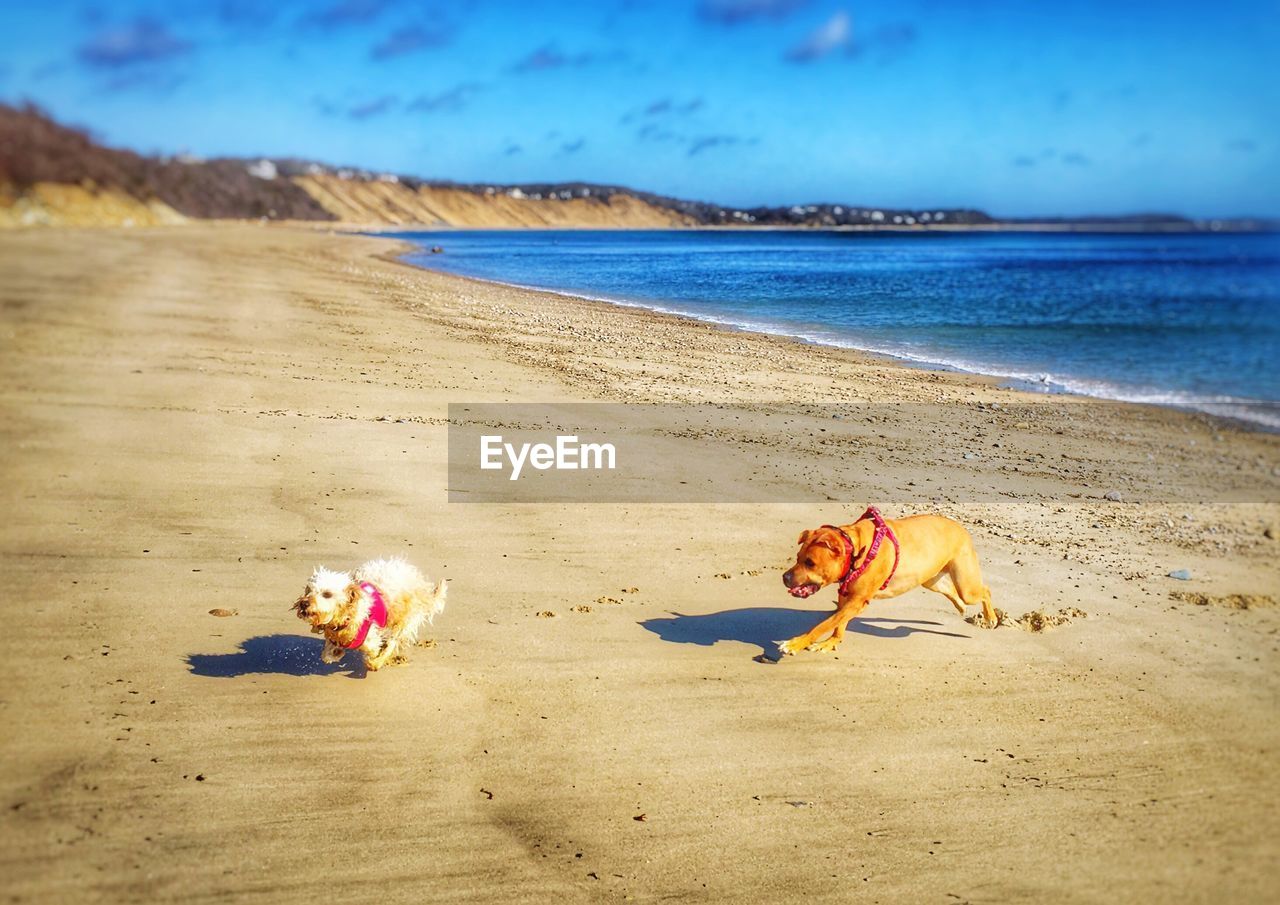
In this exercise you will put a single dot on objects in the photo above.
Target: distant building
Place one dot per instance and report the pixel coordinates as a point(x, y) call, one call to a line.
point(263, 169)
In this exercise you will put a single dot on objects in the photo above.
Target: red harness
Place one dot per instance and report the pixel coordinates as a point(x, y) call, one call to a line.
point(882, 531)
point(377, 614)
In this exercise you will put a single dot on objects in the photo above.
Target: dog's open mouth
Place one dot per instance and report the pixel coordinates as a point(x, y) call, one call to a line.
point(804, 590)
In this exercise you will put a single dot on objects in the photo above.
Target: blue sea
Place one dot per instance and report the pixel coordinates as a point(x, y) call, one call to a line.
point(1187, 320)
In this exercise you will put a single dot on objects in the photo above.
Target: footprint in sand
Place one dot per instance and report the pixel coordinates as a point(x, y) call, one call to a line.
point(1034, 621)
point(1227, 601)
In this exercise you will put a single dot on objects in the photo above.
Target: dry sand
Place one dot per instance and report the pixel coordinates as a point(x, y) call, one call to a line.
point(195, 416)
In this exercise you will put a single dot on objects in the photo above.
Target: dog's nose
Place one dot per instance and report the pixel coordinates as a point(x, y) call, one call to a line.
point(787, 578)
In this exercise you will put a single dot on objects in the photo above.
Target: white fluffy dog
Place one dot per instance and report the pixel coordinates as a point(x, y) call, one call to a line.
point(376, 609)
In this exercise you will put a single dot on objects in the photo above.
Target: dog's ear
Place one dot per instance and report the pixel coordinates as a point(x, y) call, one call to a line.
point(827, 540)
point(353, 594)
point(804, 537)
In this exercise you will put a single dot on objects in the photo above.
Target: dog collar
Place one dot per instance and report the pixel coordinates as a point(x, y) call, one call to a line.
point(377, 614)
point(882, 531)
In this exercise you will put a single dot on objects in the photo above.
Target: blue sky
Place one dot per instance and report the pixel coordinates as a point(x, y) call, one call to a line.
point(1021, 108)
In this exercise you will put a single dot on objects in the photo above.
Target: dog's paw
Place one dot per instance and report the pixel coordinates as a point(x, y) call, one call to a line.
point(787, 648)
point(823, 647)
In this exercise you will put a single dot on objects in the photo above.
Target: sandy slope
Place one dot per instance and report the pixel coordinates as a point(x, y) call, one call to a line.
point(377, 202)
point(60, 204)
point(353, 202)
point(194, 417)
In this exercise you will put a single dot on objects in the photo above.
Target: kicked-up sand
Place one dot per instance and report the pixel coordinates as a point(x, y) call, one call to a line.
point(194, 417)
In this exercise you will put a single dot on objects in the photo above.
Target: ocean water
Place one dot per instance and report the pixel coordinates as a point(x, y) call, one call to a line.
point(1190, 320)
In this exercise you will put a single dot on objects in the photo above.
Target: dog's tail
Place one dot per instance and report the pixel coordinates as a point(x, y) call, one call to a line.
point(426, 605)
point(435, 600)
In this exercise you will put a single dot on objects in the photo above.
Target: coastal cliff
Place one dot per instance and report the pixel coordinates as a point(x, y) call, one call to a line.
point(55, 175)
point(386, 200)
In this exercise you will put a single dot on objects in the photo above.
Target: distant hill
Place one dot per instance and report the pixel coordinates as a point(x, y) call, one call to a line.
point(51, 174)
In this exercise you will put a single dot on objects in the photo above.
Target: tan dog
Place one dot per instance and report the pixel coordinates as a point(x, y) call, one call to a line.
point(875, 558)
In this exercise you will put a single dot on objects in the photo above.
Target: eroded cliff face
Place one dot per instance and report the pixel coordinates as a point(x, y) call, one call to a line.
point(341, 201)
point(349, 202)
point(379, 202)
point(53, 175)
point(61, 204)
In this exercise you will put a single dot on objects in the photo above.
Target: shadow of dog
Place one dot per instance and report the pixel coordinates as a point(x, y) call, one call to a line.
point(765, 626)
point(288, 655)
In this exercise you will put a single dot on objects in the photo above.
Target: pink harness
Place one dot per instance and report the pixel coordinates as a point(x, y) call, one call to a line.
point(377, 614)
point(882, 531)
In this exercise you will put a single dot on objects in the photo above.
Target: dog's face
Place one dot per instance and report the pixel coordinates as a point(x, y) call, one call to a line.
point(821, 561)
point(327, 598)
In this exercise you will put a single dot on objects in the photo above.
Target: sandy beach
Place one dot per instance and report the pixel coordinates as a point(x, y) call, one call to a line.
point(195, 416)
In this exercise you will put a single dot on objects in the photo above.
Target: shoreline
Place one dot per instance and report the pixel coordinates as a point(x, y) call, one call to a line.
point(194, 419)
point(1026, 228)
point(1219, 410)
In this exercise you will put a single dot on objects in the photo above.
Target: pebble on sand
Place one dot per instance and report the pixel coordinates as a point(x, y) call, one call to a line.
point(1181, 574)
